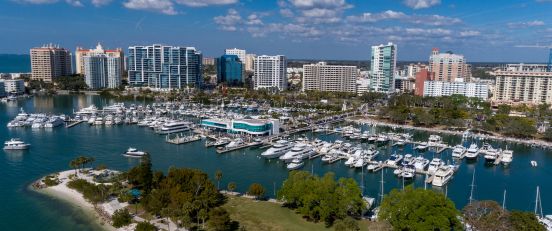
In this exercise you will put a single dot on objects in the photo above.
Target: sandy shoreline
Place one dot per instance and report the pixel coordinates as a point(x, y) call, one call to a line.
point(74, 198)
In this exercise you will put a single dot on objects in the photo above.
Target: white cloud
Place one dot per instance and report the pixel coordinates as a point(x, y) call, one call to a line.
point(36, 1)
point(374, 17)
point(76, 3)
point(327, 4)
point(314, 11)
point(161, 6)
point(469, 33)
point(516, 25)
point(254, 19)
point(230, 21)
point(421, 4)
point(432, 20)
point(428, 32)
point(99, 3)
point(203, 3)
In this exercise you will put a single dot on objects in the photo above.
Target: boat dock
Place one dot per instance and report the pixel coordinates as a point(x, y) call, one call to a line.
point(74, 123)
point(183, 139)
point(247, 145)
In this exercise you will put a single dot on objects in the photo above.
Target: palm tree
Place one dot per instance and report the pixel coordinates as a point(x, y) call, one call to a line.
point(218, 177)
point(74, 164)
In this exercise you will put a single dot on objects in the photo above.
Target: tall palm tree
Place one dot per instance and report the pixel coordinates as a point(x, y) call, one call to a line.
point(218, 177)
point(74, 164)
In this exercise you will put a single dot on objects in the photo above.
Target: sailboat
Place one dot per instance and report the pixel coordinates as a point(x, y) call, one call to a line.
point(545, 220)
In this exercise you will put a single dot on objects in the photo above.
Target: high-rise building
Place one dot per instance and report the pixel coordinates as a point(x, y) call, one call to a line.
point(442, 88)
point(270, 72)
point(323, 77)
point(208, 61)
point(49, 62)
point(80, 53)
point(383, 66)
point(523, 83)
point(250, 62)
point(102, 71)
point(447, 66)
point(230, 70)
point(235, 51)
point(164, 67)
point(413, 69)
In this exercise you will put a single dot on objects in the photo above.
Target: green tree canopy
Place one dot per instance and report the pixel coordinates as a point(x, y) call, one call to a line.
point(256, 190)
point(486, 215)
point(145, 226)
point(419, 209)
point(120, 218)
point(526, 221)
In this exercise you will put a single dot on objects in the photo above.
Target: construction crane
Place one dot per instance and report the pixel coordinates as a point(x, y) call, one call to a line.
point(549, 64)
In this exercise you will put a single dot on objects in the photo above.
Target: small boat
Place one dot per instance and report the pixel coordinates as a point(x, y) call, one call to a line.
point(295, 164)
point(133, 152)
point(442, 175)
point(507, 157)
point(472, 152)
point(459, 152)
point(435, 164)
point(422, 146)
point(372, 167)
point(15, 144)
point(533, 163)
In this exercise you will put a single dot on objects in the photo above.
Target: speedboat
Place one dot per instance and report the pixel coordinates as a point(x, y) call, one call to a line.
point(235, 143)
point(295, 164)
point(408, 172)
point(434, 165)
point(507, 156)
point(133, 152)
point(534, 163)
point(359, 163)
point(421, 163)
point(15, 144)
point(422, 146)
point(459, 151)
point(442, 175)
point(394, 160)
point(435, 141)
point(278, 149)
point(472, 152)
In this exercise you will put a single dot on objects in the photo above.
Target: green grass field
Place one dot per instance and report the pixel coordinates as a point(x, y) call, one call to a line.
point(268, 216)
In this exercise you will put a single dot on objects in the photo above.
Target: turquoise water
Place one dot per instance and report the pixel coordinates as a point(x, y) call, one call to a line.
point(52, 150)
point(15, 63)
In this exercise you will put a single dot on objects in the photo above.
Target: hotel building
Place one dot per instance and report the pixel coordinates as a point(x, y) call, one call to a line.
point(323, 77)
point(523, 83)
point(270, 72)
point(447, 66)
point(49, 62)
point(383, 66)
point(80, 53)
point(164, 67)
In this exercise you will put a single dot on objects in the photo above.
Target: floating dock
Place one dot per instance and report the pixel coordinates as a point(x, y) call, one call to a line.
point(75, 123)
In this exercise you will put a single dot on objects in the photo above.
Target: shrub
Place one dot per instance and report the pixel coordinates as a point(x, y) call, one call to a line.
point(121, 218)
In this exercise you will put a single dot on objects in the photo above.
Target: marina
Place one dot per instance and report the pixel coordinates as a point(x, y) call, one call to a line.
point(331, 146)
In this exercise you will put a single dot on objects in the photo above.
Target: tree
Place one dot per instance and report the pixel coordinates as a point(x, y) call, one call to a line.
point(525, 221)
point(218, 177)
point(145, 226)
point(74, 164)
point(203, 215)
point(256, 190)
point(347, 224)
point(419, 209)
point(120, 218)
point(142, 175)
point(486, 215)
point(232, 186)
point(548, 134)
point(219, 220)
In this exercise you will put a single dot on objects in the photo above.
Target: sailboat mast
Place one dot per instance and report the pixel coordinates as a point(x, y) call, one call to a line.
point(504, 200)
point(381, 193)
point(472, 185)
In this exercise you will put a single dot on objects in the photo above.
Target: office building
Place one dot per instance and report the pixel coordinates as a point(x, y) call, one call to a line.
point(256, 127)
point(323, 77)
point(49, 62)
point(250, 62)
point(14, 86)
point(383, 66)
point(164, 67)
point(235, 51)
point(523, 83)
point(102, 71)
point(448, 66)
point(80, 53)
point(442, 88)
point(270, 72)
point(230, 70)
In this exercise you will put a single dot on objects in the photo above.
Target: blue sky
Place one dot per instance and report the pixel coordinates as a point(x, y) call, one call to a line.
point(482, 30)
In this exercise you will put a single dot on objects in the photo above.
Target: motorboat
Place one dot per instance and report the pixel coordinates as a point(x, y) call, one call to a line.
point(133, 152)
point(235, 143)
point(394, 160)
point(279, 148)
point(173, 127)
point(359, 163)
point(408, 160)
point(459, 152)
point(435, 141)
point(299, 151)
point(372, 166)
point(443, 175)
point(422, 146)
point(490, 153)
point(295, 164)
point(434, 165)
point(534, 163)
point(472, 152)
point(351, 161)
point(421, 163)
point(507, 157)
point(54, 121)
point(15, 144)
point(408, 172)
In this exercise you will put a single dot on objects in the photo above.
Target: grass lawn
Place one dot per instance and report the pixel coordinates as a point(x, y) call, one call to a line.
point(262, 215)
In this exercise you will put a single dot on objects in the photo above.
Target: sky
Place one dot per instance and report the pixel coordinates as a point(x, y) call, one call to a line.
point(481, 30)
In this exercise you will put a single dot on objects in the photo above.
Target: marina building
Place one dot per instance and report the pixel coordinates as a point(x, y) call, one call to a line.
point(14, 86)
point(442, 88)
point(164, 67)
point(523, 83)
point(102, 71)
point(447, 66)
point(49, 62)
point(323, 77)
point(80, 53)
point(383, 67)
point(244, 126)
point(270, 72)
point(230, 70)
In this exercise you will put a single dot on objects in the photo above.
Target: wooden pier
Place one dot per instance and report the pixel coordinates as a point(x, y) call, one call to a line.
point(225, 150)
point(75, 123)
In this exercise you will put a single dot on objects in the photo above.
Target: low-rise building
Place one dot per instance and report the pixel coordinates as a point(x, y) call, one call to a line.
point(444, 88)
point(334, 78)
point(14, 86)
point(244, 126)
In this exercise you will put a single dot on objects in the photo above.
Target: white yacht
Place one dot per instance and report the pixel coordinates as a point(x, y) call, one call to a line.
point(278, 149)
point(299, 151)
point(507, 157)
point(235, 143)
point(422, 146)
point(54, 121)
point(435, 141)
point(459, 152)
point(359, 163)
point(435, 164)
point(351, 161)
point(15, 144)
point(133, 152)
point(394, 160)
point(173, 127)
point(295, 164)
point(472, 152)
point(443, 175)
point(420, 163)
point(490, 153)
